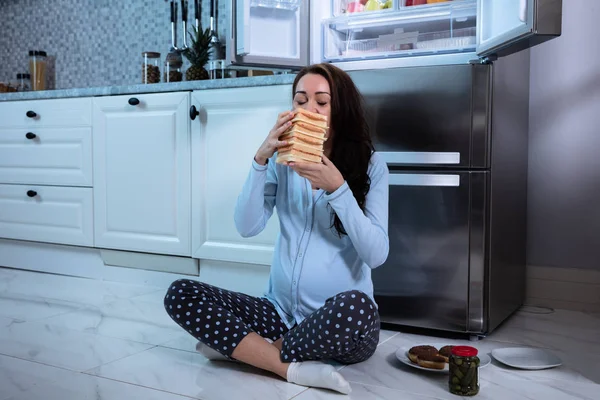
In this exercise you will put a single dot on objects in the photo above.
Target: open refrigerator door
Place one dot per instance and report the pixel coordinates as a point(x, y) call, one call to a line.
point(271, 34)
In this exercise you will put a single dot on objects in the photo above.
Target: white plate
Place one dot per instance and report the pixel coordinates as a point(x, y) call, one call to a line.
point(402, 356)
point(526, 358)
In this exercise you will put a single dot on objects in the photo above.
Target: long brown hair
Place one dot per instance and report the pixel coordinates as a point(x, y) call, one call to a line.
point(352, 146)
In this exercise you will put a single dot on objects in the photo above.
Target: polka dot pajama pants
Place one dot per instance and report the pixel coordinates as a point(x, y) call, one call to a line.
point(345, 328)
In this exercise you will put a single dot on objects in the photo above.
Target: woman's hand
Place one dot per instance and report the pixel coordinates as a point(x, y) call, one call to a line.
point(272, 142)
point(323, 176)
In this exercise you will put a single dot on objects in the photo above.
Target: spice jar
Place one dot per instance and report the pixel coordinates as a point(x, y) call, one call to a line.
point(150, 67)
point(24, 82)
point(37, 69)
point(463, 379)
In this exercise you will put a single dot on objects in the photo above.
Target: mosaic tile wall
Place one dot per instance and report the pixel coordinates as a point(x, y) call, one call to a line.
point(94, 42)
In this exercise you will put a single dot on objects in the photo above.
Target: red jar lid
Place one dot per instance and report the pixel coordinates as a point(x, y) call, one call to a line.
point(464, 351)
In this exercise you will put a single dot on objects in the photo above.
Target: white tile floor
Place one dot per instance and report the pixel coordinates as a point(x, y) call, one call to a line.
point(71, 338)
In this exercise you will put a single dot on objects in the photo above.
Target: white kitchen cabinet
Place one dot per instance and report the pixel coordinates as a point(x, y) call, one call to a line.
point(46, 113)
point(46, 156)
point(231, 125)
point(141, 147)
point(47, 214)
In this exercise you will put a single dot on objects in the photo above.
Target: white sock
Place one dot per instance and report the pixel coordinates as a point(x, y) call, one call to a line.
point(317, 374)
point(214, 355)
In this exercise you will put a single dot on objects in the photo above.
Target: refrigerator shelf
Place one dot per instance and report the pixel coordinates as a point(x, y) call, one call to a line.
point(430, 13)
point(351, 8)
point(403, 45)
point(436, 29)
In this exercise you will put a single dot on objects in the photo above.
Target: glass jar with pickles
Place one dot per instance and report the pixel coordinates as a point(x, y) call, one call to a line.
point(464, 371)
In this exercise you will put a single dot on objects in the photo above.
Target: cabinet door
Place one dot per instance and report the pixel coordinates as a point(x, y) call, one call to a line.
point(47, 214)
point(46, 156)
point(509, 26)
point(142, 173)
point(231, 126)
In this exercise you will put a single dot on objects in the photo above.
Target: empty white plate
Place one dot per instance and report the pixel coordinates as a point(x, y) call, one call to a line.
point(526, 358)
point(402, 355)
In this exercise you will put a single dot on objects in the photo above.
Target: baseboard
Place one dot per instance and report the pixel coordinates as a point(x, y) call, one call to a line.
point(87, 262)
point(563, 288)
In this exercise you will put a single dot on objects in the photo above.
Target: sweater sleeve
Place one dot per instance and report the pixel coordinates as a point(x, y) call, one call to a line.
point(255, 203)
point(367, 230)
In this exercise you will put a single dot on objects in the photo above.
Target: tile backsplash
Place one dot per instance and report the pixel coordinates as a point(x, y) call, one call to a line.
point(94, 42)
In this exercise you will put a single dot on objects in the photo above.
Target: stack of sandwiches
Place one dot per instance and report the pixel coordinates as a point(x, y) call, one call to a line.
point(304, 138)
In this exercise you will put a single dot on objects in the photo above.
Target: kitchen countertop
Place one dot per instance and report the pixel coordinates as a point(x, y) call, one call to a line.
point(269, 80)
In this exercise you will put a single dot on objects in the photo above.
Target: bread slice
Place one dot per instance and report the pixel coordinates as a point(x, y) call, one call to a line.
point(317, 118)
point(303, 147)
point(296, 130)
point(435, 362)
point(296, 156)
point(308, 124)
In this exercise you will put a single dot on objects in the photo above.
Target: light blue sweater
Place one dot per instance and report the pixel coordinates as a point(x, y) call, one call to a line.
point(311, 262)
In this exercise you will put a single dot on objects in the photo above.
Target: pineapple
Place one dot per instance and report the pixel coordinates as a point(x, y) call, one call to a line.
point(198, 54)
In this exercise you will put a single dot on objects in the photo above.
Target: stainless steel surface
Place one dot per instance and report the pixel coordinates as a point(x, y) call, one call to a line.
point(481, 116)
point(424, 282)
point(420, 158)
point(250, 61)
point(546, 25)
point(508, 191)
point(184, 30)
point(420, 110)
point(477, 315)
point(457, 231)
point(439, 180)
point(217, 52)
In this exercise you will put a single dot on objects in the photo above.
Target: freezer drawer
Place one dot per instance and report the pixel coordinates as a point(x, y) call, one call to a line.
point(432, 265)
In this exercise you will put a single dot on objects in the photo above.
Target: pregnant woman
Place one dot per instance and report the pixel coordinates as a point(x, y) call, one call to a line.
point(333, 230)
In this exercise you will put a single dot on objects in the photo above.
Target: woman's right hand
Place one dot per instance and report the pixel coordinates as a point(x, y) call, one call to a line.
point(272, 142)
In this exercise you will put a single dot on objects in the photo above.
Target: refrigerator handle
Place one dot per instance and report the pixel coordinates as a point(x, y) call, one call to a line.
point(242, 21)
point(432, 180)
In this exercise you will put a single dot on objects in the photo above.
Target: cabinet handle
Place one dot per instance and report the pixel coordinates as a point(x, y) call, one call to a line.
point(30, 135)
point(134, 101)
point(194, 112)
point(31, 114)
point(31, 193)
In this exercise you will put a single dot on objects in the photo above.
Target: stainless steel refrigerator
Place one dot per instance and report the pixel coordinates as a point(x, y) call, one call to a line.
point(455, 140)
point(446, 87)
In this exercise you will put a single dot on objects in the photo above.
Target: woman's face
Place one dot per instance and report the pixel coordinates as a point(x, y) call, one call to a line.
point(313, 94)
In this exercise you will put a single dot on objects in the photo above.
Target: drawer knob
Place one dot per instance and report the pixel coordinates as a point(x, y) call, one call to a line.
point(31, 114)
point(30, 135)
point(31, 193)
point(194, 112)
point(134, 101)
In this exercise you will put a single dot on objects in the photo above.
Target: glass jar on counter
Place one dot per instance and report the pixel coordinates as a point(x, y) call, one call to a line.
point(150, 67)
point(173, 68)
point(24, 82)
point(463, 378)
point(37, 69)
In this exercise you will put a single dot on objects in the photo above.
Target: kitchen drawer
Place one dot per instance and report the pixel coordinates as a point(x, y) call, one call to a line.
point(50, 156)
point(47, 214)
point(46, 113)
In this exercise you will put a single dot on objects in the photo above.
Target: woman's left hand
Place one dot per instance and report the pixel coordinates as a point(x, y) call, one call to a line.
point(323, 176)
